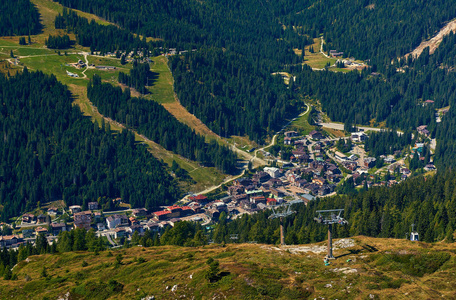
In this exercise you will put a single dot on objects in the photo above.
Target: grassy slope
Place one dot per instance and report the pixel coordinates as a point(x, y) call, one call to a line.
point(316, 59)
point(38, 57)
point(163, 92)
point(250, 272)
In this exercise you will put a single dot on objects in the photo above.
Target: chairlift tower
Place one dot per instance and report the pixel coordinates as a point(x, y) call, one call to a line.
point(285, 211)
point(330, 217)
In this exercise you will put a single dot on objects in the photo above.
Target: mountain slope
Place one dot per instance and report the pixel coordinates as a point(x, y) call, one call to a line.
point(51, 152)
point(378, 269)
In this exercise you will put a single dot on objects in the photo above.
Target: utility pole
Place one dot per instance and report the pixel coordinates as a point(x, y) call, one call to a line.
point(285, 212)
point(330, 217)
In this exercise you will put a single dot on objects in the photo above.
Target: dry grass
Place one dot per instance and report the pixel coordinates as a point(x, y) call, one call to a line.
point(180, 113)
point(203, 177)
point(250, 272)
point(163, 92)
point(334, 132)
point(316, 60)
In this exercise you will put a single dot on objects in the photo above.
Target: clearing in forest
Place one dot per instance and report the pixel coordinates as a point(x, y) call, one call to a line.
point(163, 92)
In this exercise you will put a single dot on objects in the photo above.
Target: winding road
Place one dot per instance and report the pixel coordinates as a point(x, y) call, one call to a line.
point(249, 158)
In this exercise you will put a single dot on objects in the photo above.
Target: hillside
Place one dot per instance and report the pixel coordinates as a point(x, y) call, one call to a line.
point(364, 268)
point(37, 57)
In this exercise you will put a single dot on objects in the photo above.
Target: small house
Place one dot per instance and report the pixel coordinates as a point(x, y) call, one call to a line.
point(41, 218)
point(83, 219)
point(120, 232)
point(75, 209)
point(27, 218)
point(139, 212)
point(56, 228)
point(290, 134)
point(52, 211)
point(271, 202)
point(200, 199)
point(316, 135)
point(40, 230)
point(92, 205)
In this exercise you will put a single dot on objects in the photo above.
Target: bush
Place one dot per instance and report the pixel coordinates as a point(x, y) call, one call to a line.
point(141, 260)
point(213, 271)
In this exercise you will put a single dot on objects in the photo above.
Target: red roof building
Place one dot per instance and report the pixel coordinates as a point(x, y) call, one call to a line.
point(175, 211)
point(162, 214)
point(271, 201)
point(200, 199)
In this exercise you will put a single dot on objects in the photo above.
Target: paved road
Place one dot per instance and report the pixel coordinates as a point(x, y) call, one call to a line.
point(110, 240)
point(274, 138)
point(339, 126)
point(249, 157)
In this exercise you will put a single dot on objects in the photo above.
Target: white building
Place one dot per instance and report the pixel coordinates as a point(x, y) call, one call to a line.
point(273, 172)
point(358, 137)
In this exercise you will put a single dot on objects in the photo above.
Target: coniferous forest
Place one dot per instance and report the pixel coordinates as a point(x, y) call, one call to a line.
point(58, 42)
point(19, 17)
point(49, 151)
point(375, 30)
point(230, 94)
point(138, 78)
point(156, 123)
point(101, 37)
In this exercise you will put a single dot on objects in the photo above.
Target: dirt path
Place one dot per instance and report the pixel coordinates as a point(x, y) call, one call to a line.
point(87, 64)
point(321, 48)
point(183, 115)
point(434, 42)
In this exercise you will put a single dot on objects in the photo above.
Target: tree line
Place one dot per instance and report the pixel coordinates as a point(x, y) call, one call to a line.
point(103, 38)
point(58, 42)
point(19, 17)
point(139, 77)
point(242, 28)
point(74, 240)
point(156, 123)
point(49, 151)
point(387, 142)
point(231, 94)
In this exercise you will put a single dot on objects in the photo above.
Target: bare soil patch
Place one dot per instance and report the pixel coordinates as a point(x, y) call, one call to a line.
point(434, 42)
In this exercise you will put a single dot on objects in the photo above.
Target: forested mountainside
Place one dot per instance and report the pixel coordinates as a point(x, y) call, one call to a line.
point(156, 123)
point(261, 37)
point(376, 30)
point(138, 77)
point(49, 151)
point(231, 93)
point(244, 41)
point(103, 38)
point(248, 27)
point(19, 18)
